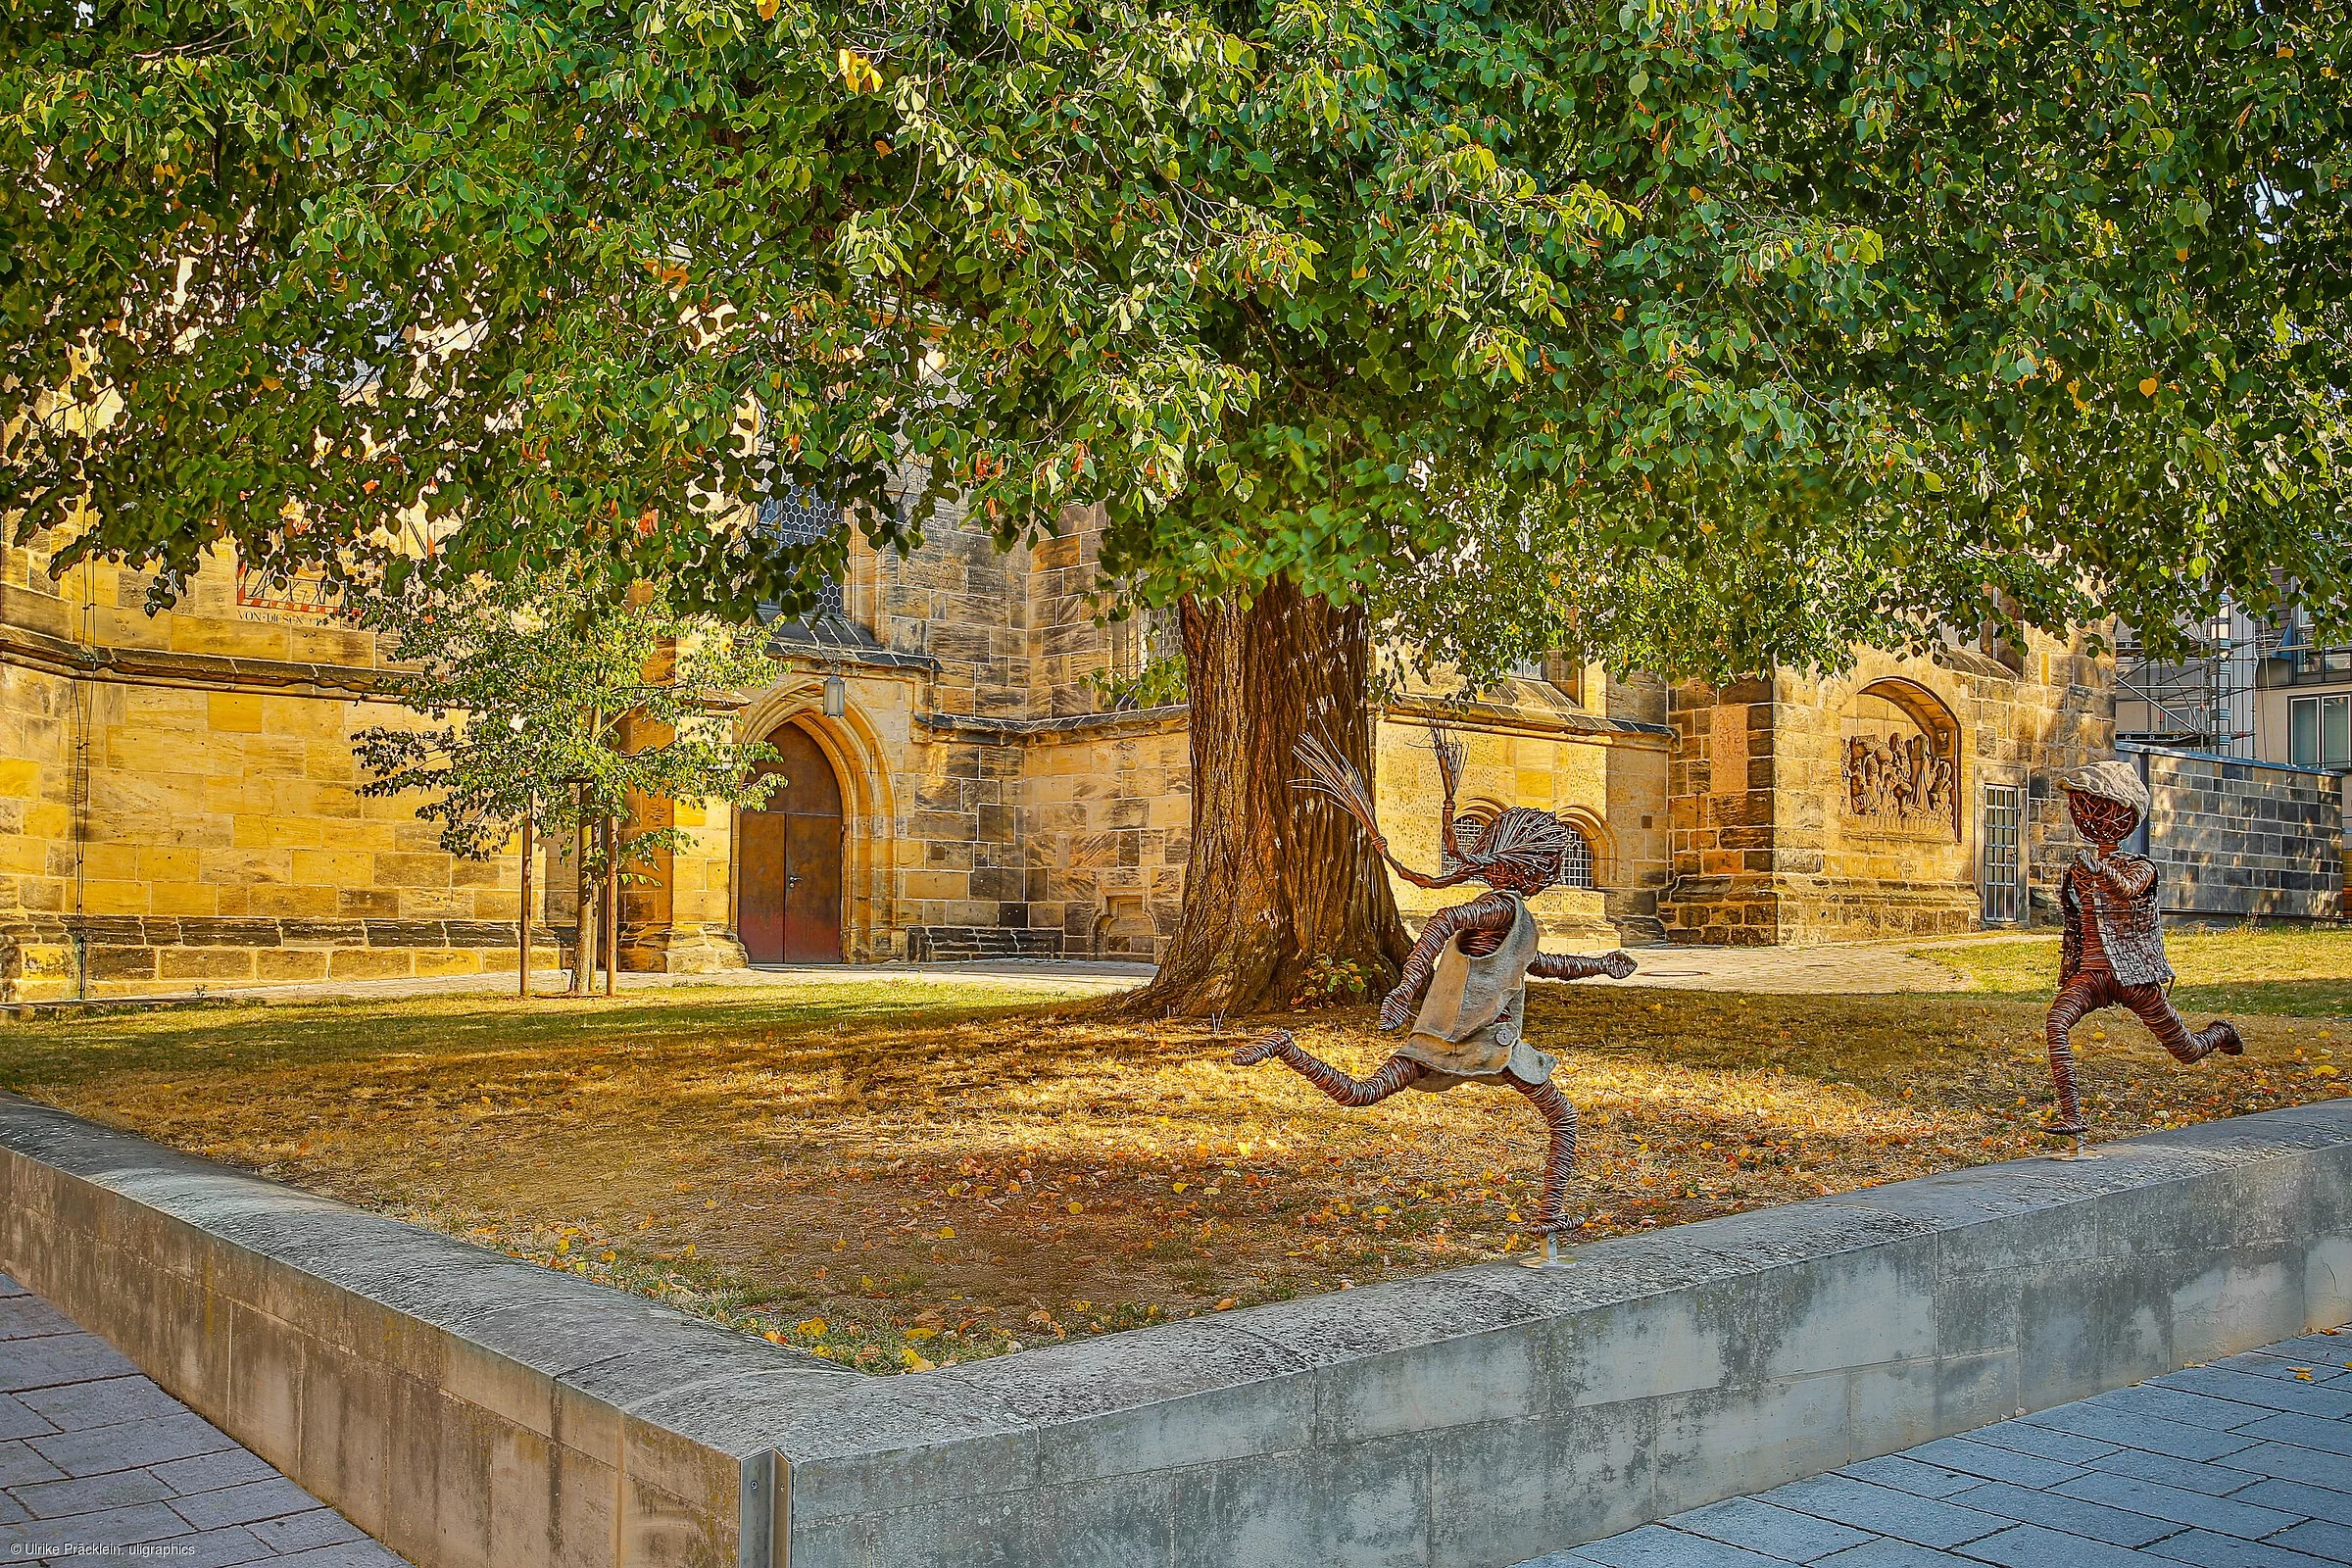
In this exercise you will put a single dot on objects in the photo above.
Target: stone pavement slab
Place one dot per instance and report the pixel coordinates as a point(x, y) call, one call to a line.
point(2246, 1463)
point(95, 1459)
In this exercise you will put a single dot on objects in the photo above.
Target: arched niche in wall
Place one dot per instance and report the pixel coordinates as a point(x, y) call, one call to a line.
point(1900, 755)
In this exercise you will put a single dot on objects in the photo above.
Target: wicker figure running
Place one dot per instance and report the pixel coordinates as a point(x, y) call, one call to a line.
point(1469, 970)
point(2113, 950)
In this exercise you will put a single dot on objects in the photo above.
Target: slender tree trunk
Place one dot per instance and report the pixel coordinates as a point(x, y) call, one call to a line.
point(1277, 876)
point(522, 907)
point(611, 902)
point(583, 924)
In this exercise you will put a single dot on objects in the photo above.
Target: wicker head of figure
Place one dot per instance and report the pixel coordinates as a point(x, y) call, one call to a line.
point(1520, 851)
point(2108, 801)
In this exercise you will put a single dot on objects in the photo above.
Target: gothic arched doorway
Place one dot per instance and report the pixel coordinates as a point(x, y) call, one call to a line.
point(788, 860)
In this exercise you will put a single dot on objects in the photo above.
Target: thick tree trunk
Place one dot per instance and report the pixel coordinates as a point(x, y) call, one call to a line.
point(1277, 876)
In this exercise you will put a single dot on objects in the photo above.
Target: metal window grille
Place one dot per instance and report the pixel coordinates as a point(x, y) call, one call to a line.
point(1468, 828)
point(803, 519)
point(1148, 635)
point(2004, 887)
point(1576, 866)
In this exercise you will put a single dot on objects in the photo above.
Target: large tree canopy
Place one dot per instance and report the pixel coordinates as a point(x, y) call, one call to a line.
point(1901, 312)
point(2047, 294)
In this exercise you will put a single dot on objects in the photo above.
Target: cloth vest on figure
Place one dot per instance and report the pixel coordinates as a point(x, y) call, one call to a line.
point(1470, 1018)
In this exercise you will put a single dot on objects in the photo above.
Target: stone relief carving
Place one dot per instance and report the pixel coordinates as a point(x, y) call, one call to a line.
point(1900, 780)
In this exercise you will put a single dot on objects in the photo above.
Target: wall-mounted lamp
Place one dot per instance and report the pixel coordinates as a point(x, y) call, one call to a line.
point(837, 696)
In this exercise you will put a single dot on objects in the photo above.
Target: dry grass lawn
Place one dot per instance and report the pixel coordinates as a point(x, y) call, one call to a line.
point(896, 1173)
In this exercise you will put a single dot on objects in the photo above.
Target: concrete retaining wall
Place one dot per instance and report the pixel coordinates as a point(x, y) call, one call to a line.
point(466, 1409)
point(460, 1404)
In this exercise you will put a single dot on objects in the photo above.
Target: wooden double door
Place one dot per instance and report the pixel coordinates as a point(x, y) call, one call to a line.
point(788, 860)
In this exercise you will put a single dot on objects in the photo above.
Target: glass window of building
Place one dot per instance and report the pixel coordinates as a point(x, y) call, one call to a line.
point(803, 519)
point(2320, 731)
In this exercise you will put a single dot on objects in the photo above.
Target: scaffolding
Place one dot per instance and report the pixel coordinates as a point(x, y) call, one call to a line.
point(2202, 701)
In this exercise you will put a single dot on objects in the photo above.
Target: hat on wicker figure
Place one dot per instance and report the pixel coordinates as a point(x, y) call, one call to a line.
point(2119, 782)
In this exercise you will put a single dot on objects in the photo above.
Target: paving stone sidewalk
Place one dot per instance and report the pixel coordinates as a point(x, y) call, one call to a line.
point(2245, 1463)
point(96, 1460)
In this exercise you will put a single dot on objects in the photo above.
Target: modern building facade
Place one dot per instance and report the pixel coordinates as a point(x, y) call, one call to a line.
point(990, 776)
point(2268, 689)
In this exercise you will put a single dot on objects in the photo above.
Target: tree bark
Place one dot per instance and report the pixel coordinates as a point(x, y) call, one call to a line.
point(1276, 877)
point(611, 926)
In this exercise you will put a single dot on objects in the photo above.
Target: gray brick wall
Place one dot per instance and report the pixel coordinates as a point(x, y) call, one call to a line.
point(2242, 838)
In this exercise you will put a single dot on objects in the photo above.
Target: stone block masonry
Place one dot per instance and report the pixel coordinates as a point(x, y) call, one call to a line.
point(469, 1410)
point(1774, 841)
point(179, 804)
point(2235, 838)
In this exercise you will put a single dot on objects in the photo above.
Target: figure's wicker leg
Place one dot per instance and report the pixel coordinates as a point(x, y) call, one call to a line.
point(1394, 1074)
point(2079, 996)
point(2155, 1009)
point(2220, 1035)
point(1559, 1116)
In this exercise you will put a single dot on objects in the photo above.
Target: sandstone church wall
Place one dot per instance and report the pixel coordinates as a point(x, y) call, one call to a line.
point(179, 802)
point(1532, 744)
point(178, 797)
point(1796, 814)
point(1110, 816)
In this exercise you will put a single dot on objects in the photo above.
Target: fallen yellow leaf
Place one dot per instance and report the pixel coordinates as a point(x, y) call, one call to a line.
point(2147, 388)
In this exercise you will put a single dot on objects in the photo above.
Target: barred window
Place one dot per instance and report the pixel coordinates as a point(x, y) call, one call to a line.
point(1467, 831)
point(803, 519)
point(1563, 672)
point(1471, 825)
point(1576, 865)
point(1149, 634)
